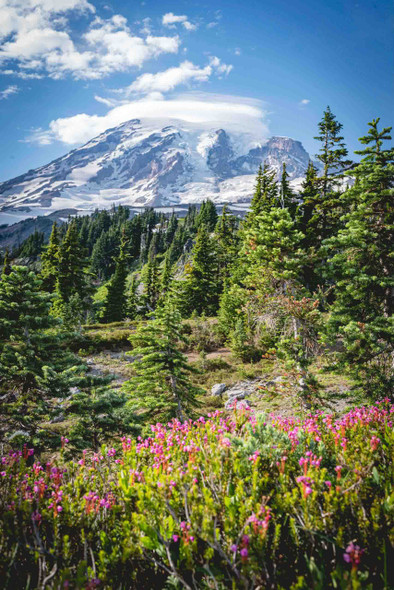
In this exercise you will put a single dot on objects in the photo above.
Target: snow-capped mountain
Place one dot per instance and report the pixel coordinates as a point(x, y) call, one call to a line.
point(142, 164)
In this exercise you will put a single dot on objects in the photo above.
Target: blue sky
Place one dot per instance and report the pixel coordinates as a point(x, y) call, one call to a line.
point(71, 68)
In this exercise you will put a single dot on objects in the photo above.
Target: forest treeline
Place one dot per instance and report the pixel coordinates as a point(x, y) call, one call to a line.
point(301, 275)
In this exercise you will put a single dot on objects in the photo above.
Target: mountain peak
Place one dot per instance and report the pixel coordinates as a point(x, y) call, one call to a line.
point(155, 164)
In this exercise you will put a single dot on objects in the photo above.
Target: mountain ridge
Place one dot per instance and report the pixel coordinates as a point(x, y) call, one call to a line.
point(153, 164)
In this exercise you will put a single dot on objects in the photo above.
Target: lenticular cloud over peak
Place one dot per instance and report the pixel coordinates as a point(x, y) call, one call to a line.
point(199, 110)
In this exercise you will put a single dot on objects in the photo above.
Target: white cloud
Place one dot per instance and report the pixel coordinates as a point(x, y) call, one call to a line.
point(35, 38)
point(304, 102)
point(220, 67)
point(169, 79)
point(9, 91)
point(200, 110)
point(171, 20)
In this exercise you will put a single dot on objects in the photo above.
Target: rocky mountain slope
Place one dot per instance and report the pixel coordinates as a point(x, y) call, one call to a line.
point(142, 164)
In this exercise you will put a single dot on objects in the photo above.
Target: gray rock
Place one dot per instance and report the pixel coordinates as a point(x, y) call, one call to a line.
point(240, 404)
point(58, 419)
point(218, 388)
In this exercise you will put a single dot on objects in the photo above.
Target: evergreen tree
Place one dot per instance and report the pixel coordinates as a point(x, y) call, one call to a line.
point(116, 301)
point(308, 221)
point(50, 261)
point(227, 243)
point(6, 263)
point(333, 152)
point(333, 158)
point(286, 194)
point(103, 259)
point(165, 278)
point(200, 290)
point(207, 215)
point(362, 267)
point(161, 387)
point(71, 278)
point(100, 415)
point(151, 283)
point(265, 195)
point(34, 366)
point(132, 299)
point(32, 246)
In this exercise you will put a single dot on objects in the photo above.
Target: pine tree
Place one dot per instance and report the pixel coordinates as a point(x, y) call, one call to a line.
point(161, 387)
point(362, 266)
point(333, 157)
point(71, 278)
point(227, 243)
point(201, 288)
point(166, 278)
point(308, 220)
point(34, 366)
point(265, 194)
point(207, 215)
point(99, 416)
point(132, 299)
point(333, 152)
point(286, 194)
point(116, 301)
point(151, 283)
point(50, 261)
point(6, 263)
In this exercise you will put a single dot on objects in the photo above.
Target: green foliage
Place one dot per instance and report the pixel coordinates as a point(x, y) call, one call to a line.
point(100, 416)
point(201, 287)
point(50, 261)
point(72, 280)
point(116, 302)
point(362, 266)
point(207, 215)
point(6, 263)
point(161, 388)
point(34, 367)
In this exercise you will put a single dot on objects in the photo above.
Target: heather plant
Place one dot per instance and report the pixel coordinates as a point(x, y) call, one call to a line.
point(223, 502)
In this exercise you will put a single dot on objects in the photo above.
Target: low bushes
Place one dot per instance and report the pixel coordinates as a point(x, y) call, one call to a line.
point(228, 502)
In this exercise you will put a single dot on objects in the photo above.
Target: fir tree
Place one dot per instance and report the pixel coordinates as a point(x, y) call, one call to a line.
point(308, 220)
point(71, 278)
point(99, 415)
point(151, 283)
point(132, 299)
point(333, 158)
point(6, 263)
point(165, 278)
point(362, 267)
point(286, 194)
point(201, 288)
point(265, 195)
point(116, 301)
point(161, 387)
point(34, 367)
point(333, 152)
point(207, 215)
point(50, 260)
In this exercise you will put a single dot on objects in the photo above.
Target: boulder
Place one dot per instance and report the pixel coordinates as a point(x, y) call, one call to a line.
point(218, 388)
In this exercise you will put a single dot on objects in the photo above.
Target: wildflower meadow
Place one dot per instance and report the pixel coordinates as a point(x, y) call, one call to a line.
point(230, 501)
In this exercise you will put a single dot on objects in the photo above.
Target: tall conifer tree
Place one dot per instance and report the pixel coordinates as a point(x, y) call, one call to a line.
point(116, 301)
point(362, 266)
point(50, 260)
point(161, 387)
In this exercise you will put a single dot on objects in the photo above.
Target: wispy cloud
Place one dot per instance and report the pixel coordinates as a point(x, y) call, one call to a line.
point(304, 102)
point(171, 20)
point(185, 73)
point(9, 91)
